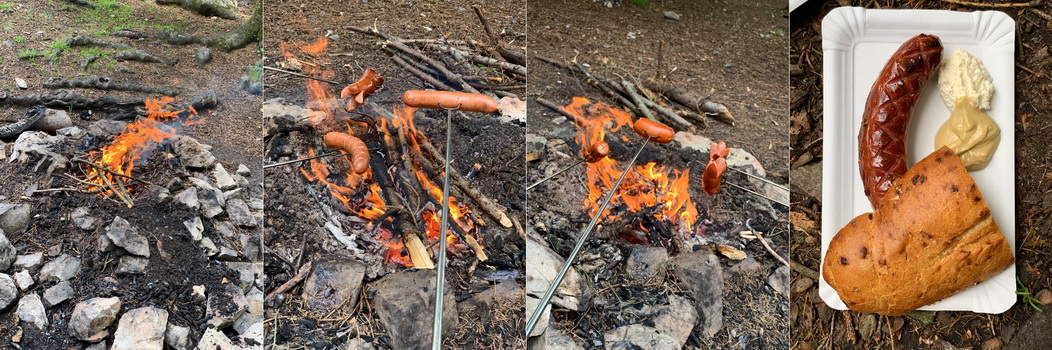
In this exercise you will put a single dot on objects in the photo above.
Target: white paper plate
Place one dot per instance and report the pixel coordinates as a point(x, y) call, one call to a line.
point(856, 44)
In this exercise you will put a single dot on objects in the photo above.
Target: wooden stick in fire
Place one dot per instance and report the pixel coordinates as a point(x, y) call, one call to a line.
point(448, 101)
point(651, 131)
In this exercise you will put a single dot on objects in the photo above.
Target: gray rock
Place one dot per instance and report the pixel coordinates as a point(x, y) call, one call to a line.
point(671, 15)
point(156, 194)
point(225, 305)
point(227, 254)
point(223, 179)
point(31, 311)
point(23, 279)
point(239, 213)
point(505, 293)
point(131, 265)
point(191, 153)
point(188, 198)
point(58, 293)
point(358, 344)
point(126, 236)
point(779, 280)
point(14, 218)
point(542, 322)
point(243, 170)
point(196, 228)
point(255, 204)
point(72, 133)
point(542, 264)
point(225, 228)
point(245, 323)
point(177, 337)
point(106, 128)
point(203, 55)
point(1033, 333)
point(637, 336)
point(208, 247)
point(53, 120)
point(141, 329)
point(250, 244)
point(61, 268)
point(106, 244)
point(215, 339)
point(236, 193)
point(30, 262)
point(91, 317)
point(535, 149)
point(255, 300)
point(211, 198)
point(676, 319)
point(749, 265)
point(8, 291)
point(82, 218)
point(7, 252)
point(404, 302)
point(197, 293)
point(247, 272)
point(21, 83)
point(333, 284)
point(646, 263)
point(96, 346)
point(701, 274)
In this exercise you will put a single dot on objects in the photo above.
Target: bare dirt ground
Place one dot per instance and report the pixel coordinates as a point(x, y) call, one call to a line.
point(31, 28)
point(731, 51)
point(293, 223)
point(814, 324)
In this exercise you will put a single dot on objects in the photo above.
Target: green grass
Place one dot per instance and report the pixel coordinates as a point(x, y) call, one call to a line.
point(59, 45)
point(20, 39)
point(23, 53)
point(711, 16)
point(641, 3)
point(6, 6)
point(255, 72)
point(1028, 298)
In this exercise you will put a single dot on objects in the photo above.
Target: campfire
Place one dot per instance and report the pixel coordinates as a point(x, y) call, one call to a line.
point(398, 200)
point(109, 169)
point(651, 195)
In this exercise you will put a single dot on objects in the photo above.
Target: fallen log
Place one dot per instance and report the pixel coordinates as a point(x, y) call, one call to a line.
point(63, 98)
point(206, 8)
point(396, 43)
point(690, 100)
point(105, 83)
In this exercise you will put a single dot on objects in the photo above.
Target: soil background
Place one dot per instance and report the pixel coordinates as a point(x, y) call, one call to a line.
point(232, 130)
point(293, 222)
point(814, 324)
point(730, 51)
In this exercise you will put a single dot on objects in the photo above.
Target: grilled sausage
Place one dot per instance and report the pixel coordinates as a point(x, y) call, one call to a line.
point(710, 179)
point(597, 151)
point(656, 132)
point(353, 145)
point(882, 139)
point(449, 99)
point(357, 92)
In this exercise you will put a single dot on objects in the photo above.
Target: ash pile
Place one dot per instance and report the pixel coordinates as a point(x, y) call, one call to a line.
point(169, 258)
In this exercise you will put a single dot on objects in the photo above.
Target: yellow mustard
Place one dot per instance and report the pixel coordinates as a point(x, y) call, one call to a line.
point(970, 133)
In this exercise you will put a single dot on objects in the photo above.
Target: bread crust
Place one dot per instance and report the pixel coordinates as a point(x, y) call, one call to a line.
point(931, 237)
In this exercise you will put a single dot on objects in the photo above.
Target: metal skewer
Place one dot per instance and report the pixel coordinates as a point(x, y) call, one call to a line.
point(563, 170)
point(780, 186)
point(436, 335)
point(756, 193)
point(580, 244)
point(297, 160)
point(301, 75)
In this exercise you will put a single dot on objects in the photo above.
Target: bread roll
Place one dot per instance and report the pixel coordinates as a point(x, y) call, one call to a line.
point(932, 236)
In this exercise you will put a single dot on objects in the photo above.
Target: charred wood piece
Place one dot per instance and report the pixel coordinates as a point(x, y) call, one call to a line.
point(63, 98)
point(105, 83)
point(33, 115)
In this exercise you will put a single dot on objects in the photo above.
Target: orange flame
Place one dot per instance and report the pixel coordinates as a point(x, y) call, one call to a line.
point(646, 186)
point(137, 138)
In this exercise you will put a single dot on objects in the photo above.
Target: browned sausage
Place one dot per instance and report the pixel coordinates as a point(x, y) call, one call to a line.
point(882, 139)
point(357, 92)
point(710, 179)
point(597, 151)
point(353, 145)
point(449, 99)
point(656, 132)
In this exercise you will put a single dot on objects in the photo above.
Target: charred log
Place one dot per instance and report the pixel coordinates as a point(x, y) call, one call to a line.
point(105, 83)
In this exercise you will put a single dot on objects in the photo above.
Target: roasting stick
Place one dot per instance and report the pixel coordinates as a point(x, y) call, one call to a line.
point(781, 187)
point(563, 170)
point(297, 160)
point(463, 102)
point(301, 75)
point(756, 193)
point(594, 153)
point(651, 131)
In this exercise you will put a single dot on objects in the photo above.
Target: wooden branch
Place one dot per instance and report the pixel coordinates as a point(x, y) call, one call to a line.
point(427, 78)
point(301, 274)
point(769, 249)
point(479, 254)
point(438, 65)
point(630, 90)
point(668, 113)
point(697, 103)
point(555, 107)
point(418, 253)
point(483, 60)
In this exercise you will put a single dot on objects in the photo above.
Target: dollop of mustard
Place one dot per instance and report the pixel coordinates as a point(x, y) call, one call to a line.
point(970, 133)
